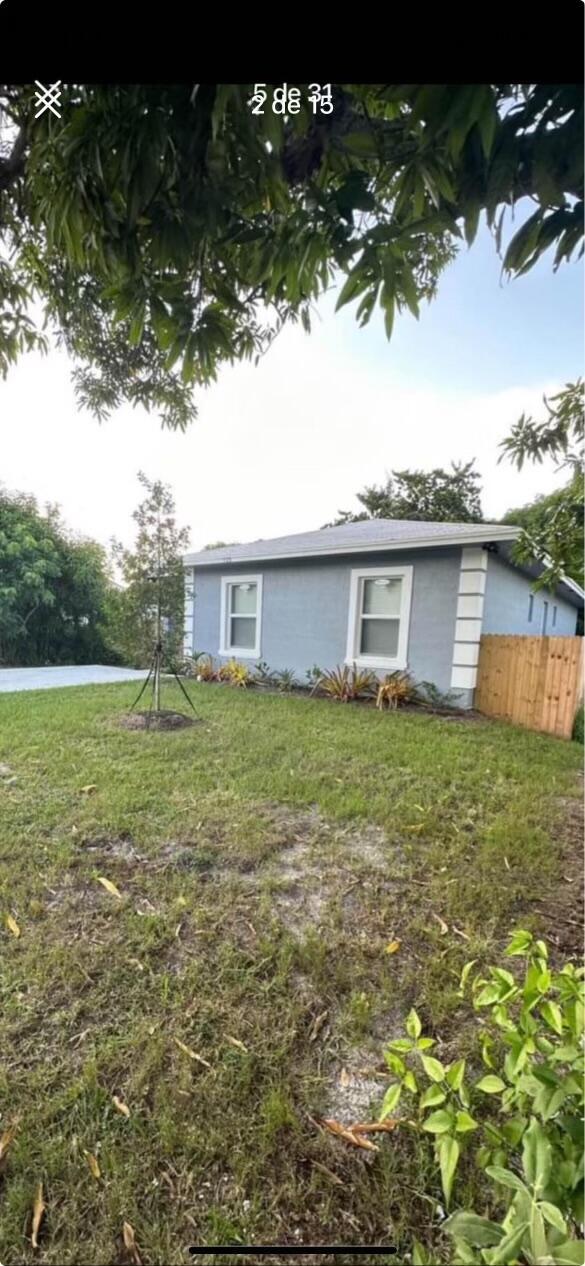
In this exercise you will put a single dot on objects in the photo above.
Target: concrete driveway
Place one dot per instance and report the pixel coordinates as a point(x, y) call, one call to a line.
point(76, 675)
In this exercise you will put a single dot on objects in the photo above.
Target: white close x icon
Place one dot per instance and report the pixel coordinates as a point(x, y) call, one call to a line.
point(48, 98)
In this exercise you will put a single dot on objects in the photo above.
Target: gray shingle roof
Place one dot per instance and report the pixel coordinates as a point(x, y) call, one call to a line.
point(355, 538)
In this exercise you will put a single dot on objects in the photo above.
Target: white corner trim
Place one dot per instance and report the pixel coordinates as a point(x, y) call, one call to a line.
point(464, 678)
point(381, 662)
point(469, 605)
point(467, 631)
point(469, 618)
point(473, 559)
point(189, 624)
point(239, 652)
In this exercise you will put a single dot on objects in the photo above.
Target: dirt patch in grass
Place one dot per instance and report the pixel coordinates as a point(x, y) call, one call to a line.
point(355, 1090)
point(315, 869)
point(118, 847)
point(166, 719)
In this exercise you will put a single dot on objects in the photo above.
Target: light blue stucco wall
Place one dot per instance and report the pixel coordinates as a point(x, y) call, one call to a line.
point(305, 608)
point(507, 602)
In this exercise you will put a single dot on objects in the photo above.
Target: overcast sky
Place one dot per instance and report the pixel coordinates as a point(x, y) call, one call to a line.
point(282, 447)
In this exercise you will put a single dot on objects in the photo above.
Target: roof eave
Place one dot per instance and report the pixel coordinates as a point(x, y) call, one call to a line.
point(506, 533)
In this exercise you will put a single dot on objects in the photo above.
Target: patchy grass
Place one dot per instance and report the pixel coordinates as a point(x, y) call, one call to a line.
point(265, 859)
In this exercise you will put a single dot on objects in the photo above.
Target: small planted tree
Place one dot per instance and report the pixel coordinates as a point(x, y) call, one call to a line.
point(152, 603)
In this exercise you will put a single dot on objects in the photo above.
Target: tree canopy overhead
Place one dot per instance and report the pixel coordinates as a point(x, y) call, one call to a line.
point(167, 229)
point(553, 525)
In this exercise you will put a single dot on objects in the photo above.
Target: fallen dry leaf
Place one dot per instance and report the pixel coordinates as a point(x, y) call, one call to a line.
point(393, 946)
point(443, 926)
point(38, 1210)
point(318, 1025)
point(192, 1054)
point(86, 791)
point(343, 1132)
point(375, 1127)
point(121, 1107)
point(93, 1164)
point(235, 1041)
point(506, 863)
point(458, 932)
point(130, 1244)
point(109, 887)
point(12, 925)
point(5, 1141)
point(344, 1078)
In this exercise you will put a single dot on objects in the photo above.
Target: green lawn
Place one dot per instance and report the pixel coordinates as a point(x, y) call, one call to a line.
point(266, 858)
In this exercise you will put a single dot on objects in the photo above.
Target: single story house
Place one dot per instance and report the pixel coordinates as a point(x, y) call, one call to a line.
point(384, 594)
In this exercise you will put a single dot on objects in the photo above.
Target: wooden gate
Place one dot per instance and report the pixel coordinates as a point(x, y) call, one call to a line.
point(533, 681)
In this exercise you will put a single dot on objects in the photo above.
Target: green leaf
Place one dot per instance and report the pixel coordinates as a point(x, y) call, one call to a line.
point(395, 1064)
point(464, 1122)
point(420, 1256)
point(433, 1096)
point(465, 974)
point(438, 1122)
point(433, 1068)
point(491, 1085)
point(508, 1249)
point(413, 1024)
point(448, 1158)
point(520, 943)
point(354, 284)
point(488, 995)
point(409, 1082)
point(538, 1241)
point(554, 1216)
point(400, 1044)
point(473, 1229)
point(551, 1012)
point(536, 1156)
point(388, 313)
point(571, 1253)
point(390, 1100)
point(454, 1074)
point(506, 1178)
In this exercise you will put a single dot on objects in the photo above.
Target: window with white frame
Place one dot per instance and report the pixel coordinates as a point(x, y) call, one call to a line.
point(241, 611)
point(379, 616)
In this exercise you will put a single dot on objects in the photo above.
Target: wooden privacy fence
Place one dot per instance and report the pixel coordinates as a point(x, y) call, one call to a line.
point(532, 681)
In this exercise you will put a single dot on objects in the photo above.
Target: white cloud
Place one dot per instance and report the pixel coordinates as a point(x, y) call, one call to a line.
point(276, 449)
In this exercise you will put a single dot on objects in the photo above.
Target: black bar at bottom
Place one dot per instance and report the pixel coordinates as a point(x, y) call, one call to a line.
point(290, 1250)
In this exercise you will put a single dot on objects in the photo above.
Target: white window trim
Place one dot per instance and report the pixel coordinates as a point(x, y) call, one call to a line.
point(400, 660)
point(239, 652)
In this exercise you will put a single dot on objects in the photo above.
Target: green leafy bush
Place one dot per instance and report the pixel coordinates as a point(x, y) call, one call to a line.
point(578, 726)
point(286, 680)
point(522, 1119)
point(263, 675)
point(429, 696)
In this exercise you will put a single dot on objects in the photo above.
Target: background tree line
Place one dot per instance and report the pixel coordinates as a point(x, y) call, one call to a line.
point(65, 599)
